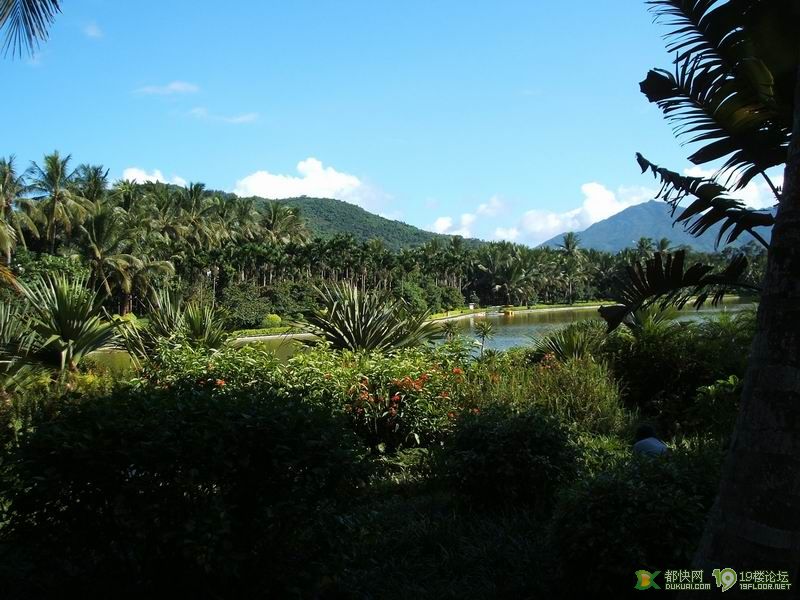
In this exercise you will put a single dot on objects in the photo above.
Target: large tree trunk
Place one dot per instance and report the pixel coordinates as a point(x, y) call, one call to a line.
point(755, 521)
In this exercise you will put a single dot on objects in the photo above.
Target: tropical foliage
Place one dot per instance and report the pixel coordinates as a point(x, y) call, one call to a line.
point(253, 258)
point(360, 320)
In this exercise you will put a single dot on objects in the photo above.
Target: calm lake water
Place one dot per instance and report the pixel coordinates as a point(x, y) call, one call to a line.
point(509, 331)
point(517, 330)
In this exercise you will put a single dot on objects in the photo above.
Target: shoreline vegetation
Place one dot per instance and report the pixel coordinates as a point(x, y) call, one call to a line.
point(293, 332)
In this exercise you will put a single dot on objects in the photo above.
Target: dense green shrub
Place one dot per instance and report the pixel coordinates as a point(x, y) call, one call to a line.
point(581, 392)
point(30, 266)
point(660, 366)
point(290, 299)
point(716, 407)
point(402, 399)
point(451, 298)
point(414, 296)
point(243, 307)
point(271, 320)
point(173, 493)
point(406, 398)
point(639, 513)
point(428, 547)
point(498, 456)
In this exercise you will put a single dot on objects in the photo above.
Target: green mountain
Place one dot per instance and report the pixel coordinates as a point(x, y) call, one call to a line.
point(327, 217)
point(650, 219)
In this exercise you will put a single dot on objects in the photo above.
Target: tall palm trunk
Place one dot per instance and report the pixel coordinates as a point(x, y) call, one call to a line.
point(755, 521)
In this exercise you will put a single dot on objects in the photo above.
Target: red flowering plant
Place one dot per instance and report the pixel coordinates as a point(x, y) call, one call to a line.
point(401, 399)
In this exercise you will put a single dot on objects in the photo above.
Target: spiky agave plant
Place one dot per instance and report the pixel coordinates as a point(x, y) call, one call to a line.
point(168, 320)
point(583, 339)
point(204, 327)
point(367, 320)
point(165, 321)
point(16, 370)
point(66, 321)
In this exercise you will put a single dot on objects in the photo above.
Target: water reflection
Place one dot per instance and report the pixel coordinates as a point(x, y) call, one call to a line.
point(517, 329)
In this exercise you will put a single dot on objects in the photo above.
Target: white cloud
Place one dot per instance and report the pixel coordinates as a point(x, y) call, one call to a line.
point(442, 224)
point(92, 30)
point(446, 225)
point(142, 176)
point(599, 203)
point(201, 112)
point(491, 208)
point(756, 194)
point(316, 180)
point(464, 228)
point(506, 233)
point(243, 118)
point(173, 87)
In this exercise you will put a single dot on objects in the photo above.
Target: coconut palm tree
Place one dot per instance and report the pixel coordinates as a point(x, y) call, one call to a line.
point(90, 183)
point(282, 223)
point(735, 91)
point(126, 194)
point(52, 186)
point(13, 221)
point(107, 247)
point(570, 243)
point(644, 247)
point(140, 278)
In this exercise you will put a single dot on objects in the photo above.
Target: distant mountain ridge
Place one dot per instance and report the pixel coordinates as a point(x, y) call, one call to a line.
point(327, 217)
point(649, 219)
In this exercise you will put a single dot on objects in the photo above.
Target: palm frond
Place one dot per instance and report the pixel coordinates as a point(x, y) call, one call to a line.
point(27, 23)
point(664, 280)
point(705, 107)
point(728, 90)
point(711, 205)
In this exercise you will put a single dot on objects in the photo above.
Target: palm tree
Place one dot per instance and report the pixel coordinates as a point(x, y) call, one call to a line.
point(26, 23)
point(13, 221)
point(736, 89)
point(126, 193)
point(90, 183)
point(644, 247)
point(574, 263)
point(106, 245)
point(570, 243)
point(140, 278)
point(282, 223)
point(484, 330)
point(663, 245)
point(53, 182)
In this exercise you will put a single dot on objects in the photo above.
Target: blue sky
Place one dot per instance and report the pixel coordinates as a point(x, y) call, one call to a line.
point(502, 120)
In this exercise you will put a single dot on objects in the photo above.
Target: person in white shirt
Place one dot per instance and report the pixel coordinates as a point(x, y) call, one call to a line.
point(646, 443)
